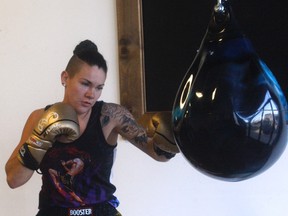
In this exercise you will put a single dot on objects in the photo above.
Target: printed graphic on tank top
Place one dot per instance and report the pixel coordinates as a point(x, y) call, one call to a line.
point(78, 173)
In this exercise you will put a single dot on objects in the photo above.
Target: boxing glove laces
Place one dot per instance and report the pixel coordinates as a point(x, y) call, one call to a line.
point(163, 139)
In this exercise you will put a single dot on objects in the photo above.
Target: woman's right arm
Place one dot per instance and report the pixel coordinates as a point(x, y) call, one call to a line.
point(16, 173)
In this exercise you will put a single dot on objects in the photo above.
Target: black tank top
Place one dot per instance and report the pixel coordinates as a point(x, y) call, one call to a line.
point(78, 173)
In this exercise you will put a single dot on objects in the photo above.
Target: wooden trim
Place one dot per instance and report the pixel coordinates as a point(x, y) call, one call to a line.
point(131, 56)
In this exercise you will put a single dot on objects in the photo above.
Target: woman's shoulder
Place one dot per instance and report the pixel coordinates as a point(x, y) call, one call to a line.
point(114, 110)
point(37, 113)
point(33, 118)
point(110, 105)
point(116, 119)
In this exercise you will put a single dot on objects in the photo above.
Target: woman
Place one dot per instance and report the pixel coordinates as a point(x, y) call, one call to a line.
point(76, 175)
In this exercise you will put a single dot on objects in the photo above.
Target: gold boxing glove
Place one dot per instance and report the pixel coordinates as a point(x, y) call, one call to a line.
point(159, 128)
point(58, 119)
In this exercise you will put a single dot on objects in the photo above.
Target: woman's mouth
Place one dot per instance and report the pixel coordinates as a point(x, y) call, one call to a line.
point(85, 103)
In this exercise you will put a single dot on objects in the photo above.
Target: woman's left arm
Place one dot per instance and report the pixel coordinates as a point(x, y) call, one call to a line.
point(118, 120)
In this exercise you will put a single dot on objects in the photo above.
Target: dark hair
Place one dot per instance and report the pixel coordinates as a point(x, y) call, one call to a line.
point(86, 51)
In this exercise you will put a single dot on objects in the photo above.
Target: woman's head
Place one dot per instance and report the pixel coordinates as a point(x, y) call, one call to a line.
point(84, 77)
point(85, 52)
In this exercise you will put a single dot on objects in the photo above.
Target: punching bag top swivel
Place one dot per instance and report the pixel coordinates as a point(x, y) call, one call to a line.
point(229, 112)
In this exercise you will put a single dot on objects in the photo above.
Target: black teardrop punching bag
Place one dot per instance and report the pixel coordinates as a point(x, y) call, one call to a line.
point(229, 112)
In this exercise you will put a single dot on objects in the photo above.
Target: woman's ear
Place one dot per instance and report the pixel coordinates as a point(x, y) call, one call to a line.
point(64, 78)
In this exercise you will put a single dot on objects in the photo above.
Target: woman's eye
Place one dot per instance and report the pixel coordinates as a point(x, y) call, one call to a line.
point(85, 83)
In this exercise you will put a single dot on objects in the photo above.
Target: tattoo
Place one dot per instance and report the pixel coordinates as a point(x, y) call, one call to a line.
point(105, 121)
point(126, 124)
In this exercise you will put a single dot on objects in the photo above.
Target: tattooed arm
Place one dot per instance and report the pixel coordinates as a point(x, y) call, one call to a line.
point(116, 119)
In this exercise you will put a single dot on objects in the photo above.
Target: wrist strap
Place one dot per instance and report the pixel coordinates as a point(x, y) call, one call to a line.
point(25, 157)
point(161, 152)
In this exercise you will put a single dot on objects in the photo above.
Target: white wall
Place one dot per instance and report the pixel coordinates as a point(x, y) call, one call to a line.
point(36, 40)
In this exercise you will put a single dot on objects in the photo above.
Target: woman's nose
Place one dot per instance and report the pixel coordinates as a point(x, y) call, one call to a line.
point(90, 93)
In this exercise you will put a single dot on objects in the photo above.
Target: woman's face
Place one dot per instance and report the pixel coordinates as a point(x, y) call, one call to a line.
point(84, 89)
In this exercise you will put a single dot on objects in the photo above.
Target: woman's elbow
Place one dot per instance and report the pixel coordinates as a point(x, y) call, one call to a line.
point(12, 182)
point(16, 181)
point(17, 176)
